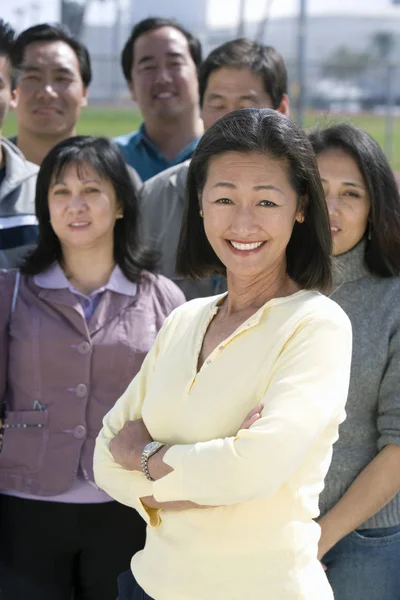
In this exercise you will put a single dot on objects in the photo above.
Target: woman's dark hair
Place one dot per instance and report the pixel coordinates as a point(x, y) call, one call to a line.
point(52, 32)
point(263, 61)
point(7, 37)
point(268, 133)
point(382, 254)
point(151, 24)
point(103, 156)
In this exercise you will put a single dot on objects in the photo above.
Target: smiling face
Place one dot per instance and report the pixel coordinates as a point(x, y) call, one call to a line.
point(83, 209)
point(229, 89)
point(50, 91)
point(249, 210)
point(164, 77)
point(347, 198)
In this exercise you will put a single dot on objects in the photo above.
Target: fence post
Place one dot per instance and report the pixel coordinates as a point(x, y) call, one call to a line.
point(390, 105)
point(301, 60)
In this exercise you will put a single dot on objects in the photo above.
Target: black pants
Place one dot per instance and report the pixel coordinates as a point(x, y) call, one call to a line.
point(129, 589)
point(59, 551)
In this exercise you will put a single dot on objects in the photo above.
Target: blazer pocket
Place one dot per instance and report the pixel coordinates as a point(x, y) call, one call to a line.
point(24, 443)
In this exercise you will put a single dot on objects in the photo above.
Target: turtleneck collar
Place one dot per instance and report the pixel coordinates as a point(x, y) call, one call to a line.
point(350, 266)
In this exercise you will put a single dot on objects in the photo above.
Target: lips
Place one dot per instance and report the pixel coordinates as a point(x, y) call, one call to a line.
point(46, 110)
point(335, 230)
point(165, 94)
point(79, 224)
point(245, 247)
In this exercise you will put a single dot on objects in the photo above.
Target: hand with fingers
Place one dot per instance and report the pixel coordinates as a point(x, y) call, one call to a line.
point(252, 417)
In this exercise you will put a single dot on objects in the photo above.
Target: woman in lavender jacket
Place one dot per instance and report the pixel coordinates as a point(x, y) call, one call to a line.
point(75, 326)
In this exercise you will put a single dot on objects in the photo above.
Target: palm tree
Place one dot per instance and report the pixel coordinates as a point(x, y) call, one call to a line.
point(383, 43)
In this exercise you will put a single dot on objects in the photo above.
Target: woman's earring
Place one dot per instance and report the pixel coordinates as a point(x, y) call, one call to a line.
point(201, 213)
point(301, 220)
point(120, 216)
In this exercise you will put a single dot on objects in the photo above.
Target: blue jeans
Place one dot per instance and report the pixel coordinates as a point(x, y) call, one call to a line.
point(365, 565)
point(129, 589)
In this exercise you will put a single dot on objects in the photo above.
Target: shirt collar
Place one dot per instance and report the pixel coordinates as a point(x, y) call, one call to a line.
point(54, 278)
point(182, 155)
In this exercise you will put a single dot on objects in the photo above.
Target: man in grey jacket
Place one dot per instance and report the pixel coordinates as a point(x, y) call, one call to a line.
point(18, 228)
point(239, 74)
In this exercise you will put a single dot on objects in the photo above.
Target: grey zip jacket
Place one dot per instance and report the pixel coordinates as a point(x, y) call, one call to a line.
point(18, 224)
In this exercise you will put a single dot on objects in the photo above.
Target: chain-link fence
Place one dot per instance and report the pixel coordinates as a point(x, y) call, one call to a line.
point(331, 89)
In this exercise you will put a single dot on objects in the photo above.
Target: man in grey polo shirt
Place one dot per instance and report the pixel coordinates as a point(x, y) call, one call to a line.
point(239, 74)
point(18, 226)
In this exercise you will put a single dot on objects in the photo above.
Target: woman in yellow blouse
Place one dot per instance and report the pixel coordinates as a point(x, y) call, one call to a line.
point(230, 501)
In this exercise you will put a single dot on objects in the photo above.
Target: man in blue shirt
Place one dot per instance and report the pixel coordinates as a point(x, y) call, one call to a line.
point(160, 62)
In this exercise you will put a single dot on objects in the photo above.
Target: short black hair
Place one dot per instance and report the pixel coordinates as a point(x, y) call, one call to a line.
point(7, 37)
point(102, 155)
point(151, 24)
point(382, 253)
point(265, 132)
point(263, 61)
point(52, 32)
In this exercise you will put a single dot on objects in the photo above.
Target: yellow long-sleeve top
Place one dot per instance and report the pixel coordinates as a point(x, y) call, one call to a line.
point(258, 540)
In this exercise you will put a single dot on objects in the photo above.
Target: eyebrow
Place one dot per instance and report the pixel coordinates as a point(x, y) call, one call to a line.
point(232, 186)
point(218, 96)
point(349, 183)
point(82, 181)
point(150, 57)
point(32, 69)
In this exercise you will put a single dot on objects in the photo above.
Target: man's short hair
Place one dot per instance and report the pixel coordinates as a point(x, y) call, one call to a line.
point(7, 37)
point(263, 61)
point(151, 24)
point(46, 32)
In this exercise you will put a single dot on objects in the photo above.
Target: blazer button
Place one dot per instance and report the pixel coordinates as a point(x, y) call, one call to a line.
point(81, 390)
point(79, 432)
point(84, 348)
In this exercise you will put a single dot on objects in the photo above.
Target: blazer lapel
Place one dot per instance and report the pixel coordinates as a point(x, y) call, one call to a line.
point(67, 305)
point(111, 304)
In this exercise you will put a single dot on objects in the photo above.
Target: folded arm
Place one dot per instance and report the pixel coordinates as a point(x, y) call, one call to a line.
point(306, 394)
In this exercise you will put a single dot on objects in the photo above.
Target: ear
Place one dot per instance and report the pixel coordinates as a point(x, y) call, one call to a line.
point(14, 99)
point(300, 215)
point(132, 90)
point(84, 101)
point(284, 106)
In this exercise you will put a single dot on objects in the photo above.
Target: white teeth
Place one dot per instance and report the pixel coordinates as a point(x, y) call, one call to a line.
point(165, 95)
point(334, 229)
point(79, 224)
point(252, 246)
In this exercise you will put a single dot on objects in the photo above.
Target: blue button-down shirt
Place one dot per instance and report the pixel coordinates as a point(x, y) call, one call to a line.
point(141, 154)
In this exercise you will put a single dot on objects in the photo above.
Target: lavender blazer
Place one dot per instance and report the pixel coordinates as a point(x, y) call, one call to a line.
point(60, 375)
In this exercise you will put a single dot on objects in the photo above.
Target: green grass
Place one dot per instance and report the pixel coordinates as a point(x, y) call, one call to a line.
point(115, 121)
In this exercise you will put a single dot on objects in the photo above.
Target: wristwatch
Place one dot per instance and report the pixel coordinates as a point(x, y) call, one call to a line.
point(148, 451)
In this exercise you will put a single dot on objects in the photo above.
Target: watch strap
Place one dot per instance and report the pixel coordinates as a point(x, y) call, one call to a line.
point(148, 451)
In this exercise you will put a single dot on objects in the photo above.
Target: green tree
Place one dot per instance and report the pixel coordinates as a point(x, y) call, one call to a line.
point(345, 63)
point(73, 14)
point(383, 43)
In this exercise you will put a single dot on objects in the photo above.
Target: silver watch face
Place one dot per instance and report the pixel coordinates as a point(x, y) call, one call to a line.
point(152, 447)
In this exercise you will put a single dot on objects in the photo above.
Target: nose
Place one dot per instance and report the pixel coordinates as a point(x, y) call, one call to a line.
point(333, 203)
point(76, 203)
point(163, 75)
point(244, 222)
point(47, 90)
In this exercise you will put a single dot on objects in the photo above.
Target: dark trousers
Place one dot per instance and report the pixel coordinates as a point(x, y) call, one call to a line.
point(129, 589)
point(59, 551)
